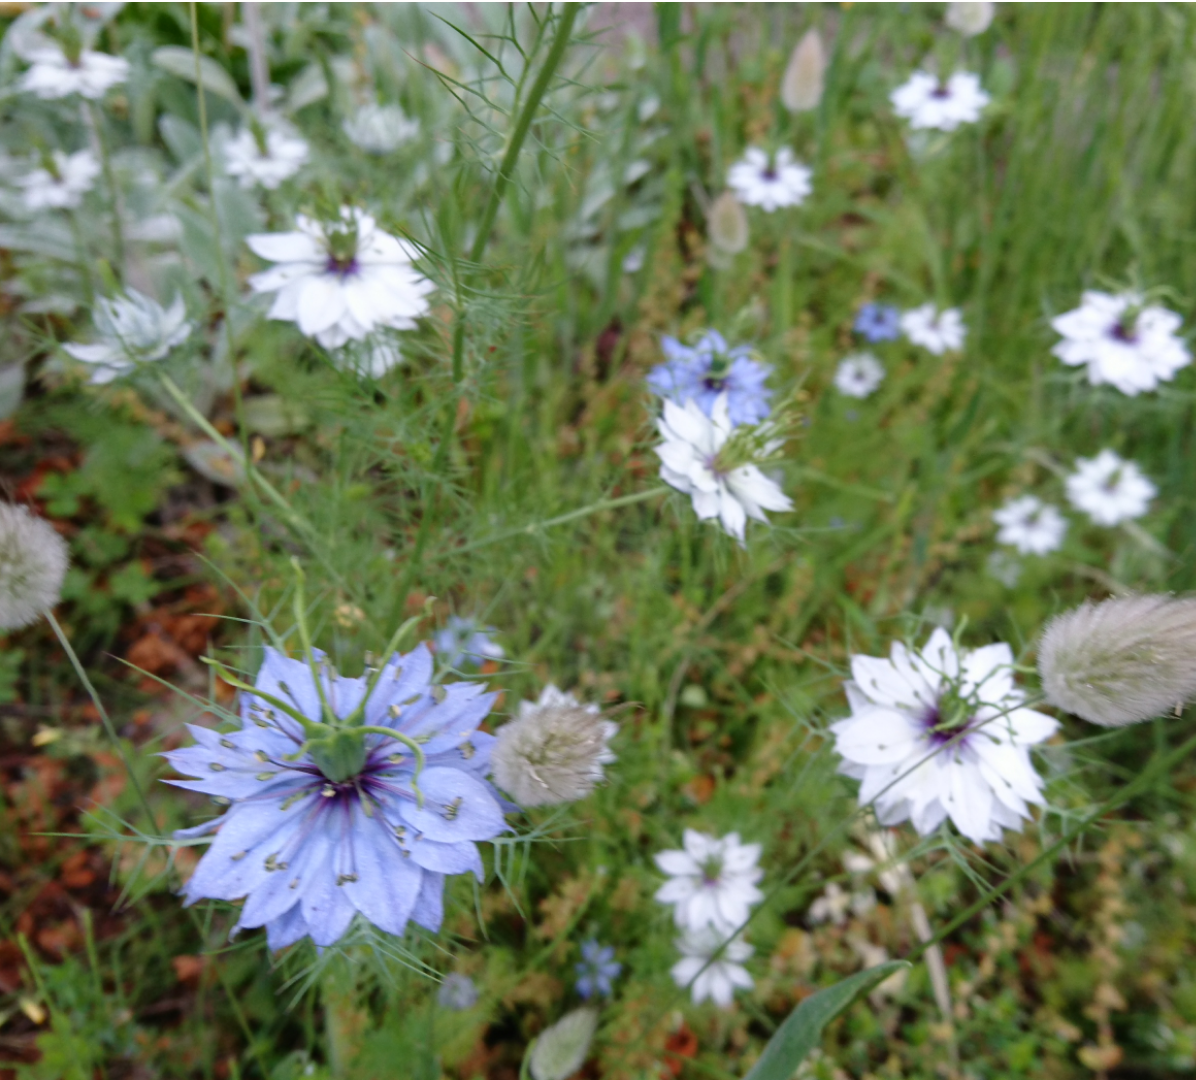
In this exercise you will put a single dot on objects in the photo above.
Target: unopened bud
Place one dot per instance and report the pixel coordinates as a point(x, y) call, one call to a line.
point(1121, 661)
point(728, 224)
point(801, 88)
point(970, 19)
point(33, 562)
point(561, 1049)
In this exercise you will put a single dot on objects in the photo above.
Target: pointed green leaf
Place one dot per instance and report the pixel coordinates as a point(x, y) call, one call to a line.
point(181, 62)
point(802, 1031)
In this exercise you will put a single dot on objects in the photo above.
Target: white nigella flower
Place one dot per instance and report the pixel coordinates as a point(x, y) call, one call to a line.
point(712, 882)
point(927, 102)
point(769, 183)
point(340, 280)
point(859, 375)
point(266, 157)
point(936, 331)
point(61, 181)
point(553, 752)
point(132, 330)
point(54, 74)
point(1108, 489)
point(720, 977)
point(1030, 525)
point(380, 129)
point(1125, 343)
point(33, 562)
point(942, 733)
point(693, 461)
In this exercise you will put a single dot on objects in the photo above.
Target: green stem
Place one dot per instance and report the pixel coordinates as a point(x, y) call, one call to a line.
point(118, 234)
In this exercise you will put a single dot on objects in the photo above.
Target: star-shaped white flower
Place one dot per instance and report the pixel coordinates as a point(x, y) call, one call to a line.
point(131, 329)
point(338, 281)
point(720, 977)
point(380, 129)
point(1030, 525)
point(859, 375)
point(936, 331)
point(770, 183)
point(689, 462)
point(1124, 343)
point(927, 102)
point(280, 154)
point(942, 733)
point(62, 185)
point(712, 882)
point(1108, 489)
point(53, 75)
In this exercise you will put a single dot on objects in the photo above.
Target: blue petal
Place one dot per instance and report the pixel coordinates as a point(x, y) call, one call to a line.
point(429, 905)
point(286, 929)
point(278, 671)
point(450, 722)
point(402, 678)
point(456, 807)
point(462, 858)
point(388, 882)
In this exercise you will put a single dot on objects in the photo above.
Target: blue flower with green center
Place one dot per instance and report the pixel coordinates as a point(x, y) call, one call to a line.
point(711, 368)
point(345, 797)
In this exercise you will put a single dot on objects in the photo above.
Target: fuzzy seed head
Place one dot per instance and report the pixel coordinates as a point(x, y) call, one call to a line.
point(554, 752)
point(728, 224)
point(561, 1049)
point(801, 87)
point(970, 19)
point(33, 562)
point(1121, 661)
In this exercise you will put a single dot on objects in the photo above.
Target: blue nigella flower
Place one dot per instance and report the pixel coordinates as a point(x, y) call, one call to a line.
point(710, 368)
point(325, 821)
point(457, 992)
point(878, 322)
point(597, 969)
point(464, 643)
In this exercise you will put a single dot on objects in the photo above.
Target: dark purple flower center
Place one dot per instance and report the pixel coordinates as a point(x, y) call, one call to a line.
point(344, 266)
point(940, 91)
point(940, 729)
point(714, 382)
point(1125, 330)
point(769, 174)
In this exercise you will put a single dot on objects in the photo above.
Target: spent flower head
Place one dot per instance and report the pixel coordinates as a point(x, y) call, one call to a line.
point(727, 224)
point(970, 19)
point(801, 86)
point(33, 562)
point(561, 1049)
point(553, 752)
point(1121, 661)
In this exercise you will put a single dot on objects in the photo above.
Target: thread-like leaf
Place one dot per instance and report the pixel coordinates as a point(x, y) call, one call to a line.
point(802, 1030)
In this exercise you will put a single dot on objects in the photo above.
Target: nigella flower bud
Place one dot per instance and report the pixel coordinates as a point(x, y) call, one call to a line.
point(33, 562)
point(970, 19)
point(1121, 661)
point(801, 87)
point(728, 224)
point(553, 752)
point(561, 1049)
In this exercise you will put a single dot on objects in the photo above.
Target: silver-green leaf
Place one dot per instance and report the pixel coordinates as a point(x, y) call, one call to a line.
point(181, 62)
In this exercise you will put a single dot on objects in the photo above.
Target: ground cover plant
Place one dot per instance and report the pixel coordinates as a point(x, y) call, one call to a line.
point(617, 541)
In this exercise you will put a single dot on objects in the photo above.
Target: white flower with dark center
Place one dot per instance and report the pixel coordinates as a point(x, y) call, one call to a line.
point(936, 331)
point(61, 181)
point(713, 979)
point(339, 280)
point(928, 102)
point(1030, 525)
point(1124, 342)
point(265, 157)
point(53, 74)
point(970, 19)
point(712, 882)
point(132, 330)
point(942, 733)
point(694, 462)
point(1108, 489)
point(33, 562)
point(380, 129)
point(554, 751)
point(859, 375)
point(770, 182)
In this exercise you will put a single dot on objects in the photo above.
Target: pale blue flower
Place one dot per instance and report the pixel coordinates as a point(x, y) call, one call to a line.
point(463, 642)
point(597, 970)
point(709, 368)
point(878, 322)
point(312, 836)
point(457, 992)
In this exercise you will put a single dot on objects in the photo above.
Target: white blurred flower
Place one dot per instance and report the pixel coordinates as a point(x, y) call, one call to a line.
point(52, 74)
point(832, 906)
point(61, 182)
point(340, 280)
point(712, 882)
point(770, 183)
point(1030, 525)
point(277, 157)
point(33, 562)
point(936, 331)
point(720, 977)
point(859, 375)
point(942, 733)
point(380, 129)
point(927, 102)
point(689, 458)
point(132, 329)
point(553, 752)
point(970, 19)
point(1125, 343)
point(801, 86)
point(1108, 489)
